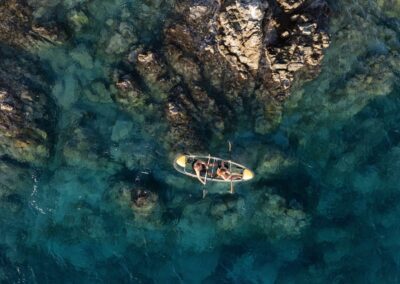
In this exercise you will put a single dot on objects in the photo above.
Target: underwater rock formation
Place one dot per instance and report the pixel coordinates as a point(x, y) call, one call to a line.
point(228, 213)
point(226, 61)
point(223, 219)
point(26, 110)
point(276, 220)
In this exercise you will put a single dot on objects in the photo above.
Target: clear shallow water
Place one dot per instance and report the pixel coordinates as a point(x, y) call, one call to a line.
point(334, 157)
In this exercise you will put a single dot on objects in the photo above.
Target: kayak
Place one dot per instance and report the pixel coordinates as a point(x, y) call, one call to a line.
point(239, 173)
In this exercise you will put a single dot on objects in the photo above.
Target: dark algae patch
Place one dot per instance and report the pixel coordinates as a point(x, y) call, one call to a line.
point(97, 99)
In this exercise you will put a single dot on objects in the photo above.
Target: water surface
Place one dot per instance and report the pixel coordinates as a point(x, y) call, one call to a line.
point(334, 158)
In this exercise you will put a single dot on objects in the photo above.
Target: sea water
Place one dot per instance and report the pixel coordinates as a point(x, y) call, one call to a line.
point(333, 163)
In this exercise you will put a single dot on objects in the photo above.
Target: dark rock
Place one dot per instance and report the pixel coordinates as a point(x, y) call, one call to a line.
point(18, 28)
point(247, 46)
point(144, 202)
point(224, 60)
point(26, 114)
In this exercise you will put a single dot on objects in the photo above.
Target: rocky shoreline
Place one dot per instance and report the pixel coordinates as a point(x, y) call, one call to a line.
point(220, 65)
point(220, 61)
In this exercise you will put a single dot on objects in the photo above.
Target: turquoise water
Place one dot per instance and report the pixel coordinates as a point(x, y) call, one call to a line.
point(323, 207)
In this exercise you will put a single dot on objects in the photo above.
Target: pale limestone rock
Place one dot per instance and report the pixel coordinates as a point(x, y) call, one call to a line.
point(240, 35)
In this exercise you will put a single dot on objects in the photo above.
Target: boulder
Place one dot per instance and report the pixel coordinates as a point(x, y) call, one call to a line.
point(144, 202)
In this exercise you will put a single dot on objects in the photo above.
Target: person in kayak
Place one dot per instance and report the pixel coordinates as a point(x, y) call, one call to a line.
point(225, 174)
point(200, 169)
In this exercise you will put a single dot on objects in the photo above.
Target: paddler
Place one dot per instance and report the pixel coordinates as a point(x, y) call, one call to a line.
point(225, 174)
point(200, 169)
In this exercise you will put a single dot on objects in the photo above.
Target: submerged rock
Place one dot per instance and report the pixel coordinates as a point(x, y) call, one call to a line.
point(129, 96)
point(277, 220)
point(134, 199)
point(245, 47)
point(144, 202)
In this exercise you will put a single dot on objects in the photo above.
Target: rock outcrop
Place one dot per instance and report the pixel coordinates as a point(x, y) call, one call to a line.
point(18, 27)
point(25, 111)
point(232, 62)
point(144, 202)
point(250, 52)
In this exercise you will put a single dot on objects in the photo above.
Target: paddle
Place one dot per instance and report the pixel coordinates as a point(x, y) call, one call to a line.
point(205, 177)
point(230, 163)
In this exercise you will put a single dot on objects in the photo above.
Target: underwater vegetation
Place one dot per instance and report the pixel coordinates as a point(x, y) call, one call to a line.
point(97, 98)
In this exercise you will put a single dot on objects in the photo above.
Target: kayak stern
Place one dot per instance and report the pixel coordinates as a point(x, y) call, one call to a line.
point(181, 161)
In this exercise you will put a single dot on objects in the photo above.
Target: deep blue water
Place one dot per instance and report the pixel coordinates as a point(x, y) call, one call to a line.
point(323, 207)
